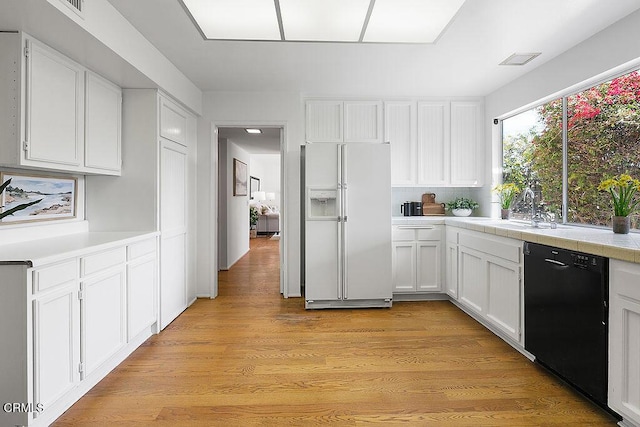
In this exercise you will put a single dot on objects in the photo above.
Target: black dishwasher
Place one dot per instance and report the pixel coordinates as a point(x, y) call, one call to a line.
point(566, 297)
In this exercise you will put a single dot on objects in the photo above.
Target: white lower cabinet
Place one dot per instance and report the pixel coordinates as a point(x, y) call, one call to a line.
point(489, 280)
point(56, 344)
point(451, 262)
point(83, 315)
point(417, 259)
point(103, 318)
point(624, 340)
point(141, 294)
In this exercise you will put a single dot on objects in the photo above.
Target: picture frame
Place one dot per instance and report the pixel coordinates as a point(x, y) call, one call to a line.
point(239, 178)
point(254, 185)
point(58, 197)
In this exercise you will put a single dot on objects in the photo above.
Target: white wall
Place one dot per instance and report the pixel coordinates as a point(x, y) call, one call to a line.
point(266, 167)
point(236, 226)
point(616, 47)
point(259, 109)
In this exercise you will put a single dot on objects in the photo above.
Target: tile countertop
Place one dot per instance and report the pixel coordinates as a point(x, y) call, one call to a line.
point(44, 251)
point(596, 241)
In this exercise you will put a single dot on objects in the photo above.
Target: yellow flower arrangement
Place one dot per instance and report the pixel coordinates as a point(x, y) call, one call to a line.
point(623, 189)
point(506, 192)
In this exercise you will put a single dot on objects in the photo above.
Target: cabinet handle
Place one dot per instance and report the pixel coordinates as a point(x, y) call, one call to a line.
point(415, 227)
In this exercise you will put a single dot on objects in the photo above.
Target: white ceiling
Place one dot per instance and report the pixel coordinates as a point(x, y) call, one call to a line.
point(463, 62)
point(268, 142)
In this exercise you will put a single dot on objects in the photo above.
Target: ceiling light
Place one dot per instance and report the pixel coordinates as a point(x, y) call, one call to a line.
point(520, 58)
point(377, 21)
point(410, 21)
point(254, 131)
point(236, 19)
point(323, 20)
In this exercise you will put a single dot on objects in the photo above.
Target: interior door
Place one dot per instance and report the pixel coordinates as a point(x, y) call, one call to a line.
point(368, 252)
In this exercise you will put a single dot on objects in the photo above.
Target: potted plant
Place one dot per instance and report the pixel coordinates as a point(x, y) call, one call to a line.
point(462, 206)
point(622, 189)
point(17, 208)
point(506, 192)
point(253, 221)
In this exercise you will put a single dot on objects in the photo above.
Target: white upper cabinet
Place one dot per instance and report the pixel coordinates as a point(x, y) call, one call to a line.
point(343, 121)
point(324, 121)
point(103, 113)
point(53, 107)
point(399, 125)
point(443, 146)
point(56, 114)
point(466, 147)
point(433, 143)
point(363, 121)
point(173, 122)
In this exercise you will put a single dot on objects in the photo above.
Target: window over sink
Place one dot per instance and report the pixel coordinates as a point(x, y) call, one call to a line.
point(597, 131)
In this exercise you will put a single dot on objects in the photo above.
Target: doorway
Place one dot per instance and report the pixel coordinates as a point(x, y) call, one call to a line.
point(249, 178)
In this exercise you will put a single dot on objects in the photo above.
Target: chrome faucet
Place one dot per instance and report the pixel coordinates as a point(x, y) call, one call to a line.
point(535, 219)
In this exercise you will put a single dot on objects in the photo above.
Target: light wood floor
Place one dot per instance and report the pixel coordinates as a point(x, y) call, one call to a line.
point(252, 358)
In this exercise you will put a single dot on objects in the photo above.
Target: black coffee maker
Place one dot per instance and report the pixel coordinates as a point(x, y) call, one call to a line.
point(411, 209)
point(416, 208)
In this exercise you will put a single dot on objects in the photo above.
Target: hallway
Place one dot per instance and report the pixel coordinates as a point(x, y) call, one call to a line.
point(252, 358)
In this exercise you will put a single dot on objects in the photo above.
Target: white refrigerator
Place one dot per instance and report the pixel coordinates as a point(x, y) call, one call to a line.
point(347, 225)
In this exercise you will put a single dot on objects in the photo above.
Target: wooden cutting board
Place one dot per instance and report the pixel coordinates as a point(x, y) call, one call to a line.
point(429, 205)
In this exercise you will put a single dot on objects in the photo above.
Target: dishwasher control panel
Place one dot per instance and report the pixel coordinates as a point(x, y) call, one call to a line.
point(583, 261)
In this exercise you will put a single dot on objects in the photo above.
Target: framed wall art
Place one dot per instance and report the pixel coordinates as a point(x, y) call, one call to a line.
point(239, 178)
point(55, 196)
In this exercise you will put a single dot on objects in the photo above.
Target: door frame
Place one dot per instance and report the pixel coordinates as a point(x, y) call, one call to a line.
point(284, 196)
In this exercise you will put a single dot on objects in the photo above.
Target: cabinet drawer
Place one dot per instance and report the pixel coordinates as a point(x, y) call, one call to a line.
point(403, 234)
point(103, 260)
point(48, 277)
point(429, 233)
point(140, 249)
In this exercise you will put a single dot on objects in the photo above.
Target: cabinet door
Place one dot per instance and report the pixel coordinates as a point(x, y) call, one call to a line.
point(324, 121)
point(173, 224)
point(404, 266)
point(433, 143)
point(103, 102)
point(103, 318)
point(141, 295)
point(56, 343)
point(624, 340)
point(173, 122)
point(466, 147)
point(53, 109)
point(452, 270)
point(363, 121)
point(503, 304)
point(471, 279)
point(429, 261)
point(400, 132)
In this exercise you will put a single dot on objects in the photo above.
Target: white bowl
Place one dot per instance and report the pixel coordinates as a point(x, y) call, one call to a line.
point(461, 212)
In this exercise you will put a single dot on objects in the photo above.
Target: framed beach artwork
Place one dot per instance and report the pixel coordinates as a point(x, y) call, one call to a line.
point(239, 178)
point(56, 197)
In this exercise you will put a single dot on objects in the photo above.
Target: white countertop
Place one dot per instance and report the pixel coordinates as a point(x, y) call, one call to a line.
point(45, 251)
point(595, 241)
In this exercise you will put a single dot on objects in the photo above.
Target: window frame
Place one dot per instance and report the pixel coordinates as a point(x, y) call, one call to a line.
point(564, 95)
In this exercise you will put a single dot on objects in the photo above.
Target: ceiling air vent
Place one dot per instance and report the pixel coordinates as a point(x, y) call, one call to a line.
point(75, 5)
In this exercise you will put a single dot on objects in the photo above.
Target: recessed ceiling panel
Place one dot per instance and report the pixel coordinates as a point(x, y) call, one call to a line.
point(235, 19)
point(410, 21)
point(323, 20)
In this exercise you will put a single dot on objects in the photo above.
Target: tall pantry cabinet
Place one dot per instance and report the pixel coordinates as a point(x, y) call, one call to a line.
point(155, 191)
